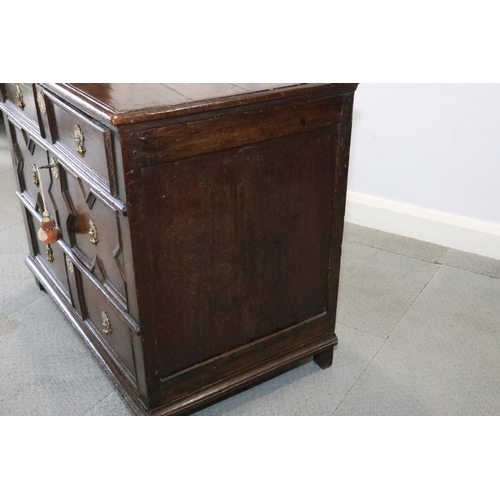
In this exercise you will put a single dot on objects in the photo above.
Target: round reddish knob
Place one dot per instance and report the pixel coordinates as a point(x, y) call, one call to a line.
point(48, 233)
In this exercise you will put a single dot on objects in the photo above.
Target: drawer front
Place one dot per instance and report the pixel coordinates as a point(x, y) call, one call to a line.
point(22, 98)
point(90, 227)
point(84, 140)
point(103, 320)
point(27, 155)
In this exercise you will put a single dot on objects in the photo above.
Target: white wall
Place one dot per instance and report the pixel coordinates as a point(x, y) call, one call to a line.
point(430, 146)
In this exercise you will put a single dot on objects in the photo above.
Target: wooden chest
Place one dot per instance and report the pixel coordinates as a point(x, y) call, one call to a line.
point(201, 226)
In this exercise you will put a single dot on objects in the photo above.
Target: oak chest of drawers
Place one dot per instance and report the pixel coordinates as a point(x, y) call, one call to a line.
point(201, 226)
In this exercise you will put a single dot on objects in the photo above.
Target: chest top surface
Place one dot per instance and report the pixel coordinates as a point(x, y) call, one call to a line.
point(126, 103)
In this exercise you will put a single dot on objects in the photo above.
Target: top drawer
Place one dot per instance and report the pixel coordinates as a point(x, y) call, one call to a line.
point(84, 140)
point(21, 97)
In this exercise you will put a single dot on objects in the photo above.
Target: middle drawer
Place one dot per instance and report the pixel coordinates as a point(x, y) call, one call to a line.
point(89, 225)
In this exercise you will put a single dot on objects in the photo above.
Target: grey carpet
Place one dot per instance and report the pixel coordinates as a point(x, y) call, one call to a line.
point(418, 327)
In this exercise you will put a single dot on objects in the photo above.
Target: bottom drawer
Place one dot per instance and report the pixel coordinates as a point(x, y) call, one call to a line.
point(101, 317)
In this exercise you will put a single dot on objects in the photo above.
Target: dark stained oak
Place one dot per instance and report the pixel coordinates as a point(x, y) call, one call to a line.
point(197, 137)
point(257, 87)
point(126, 97)
point(201, 230)
point(128, 103)
point(324, 359)
point(195, 91)
point(244, 252)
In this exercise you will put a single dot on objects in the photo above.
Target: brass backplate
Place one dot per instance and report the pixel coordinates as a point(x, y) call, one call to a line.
point(54, 166)
point(106, 324)
point(40, 99)
point(80, 140)
point(19, 96)
point(94, 237)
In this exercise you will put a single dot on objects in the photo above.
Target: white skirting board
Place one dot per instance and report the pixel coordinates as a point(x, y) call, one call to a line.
point(461, 233)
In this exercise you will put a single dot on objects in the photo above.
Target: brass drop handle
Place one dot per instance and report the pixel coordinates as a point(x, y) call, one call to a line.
point(80, 140)
point(19, 96)
point(94, 236)
point(106, 324)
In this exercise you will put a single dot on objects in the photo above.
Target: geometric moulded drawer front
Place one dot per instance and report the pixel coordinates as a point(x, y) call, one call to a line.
point(27, 156)
point(91, 228)
point(102, 318)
